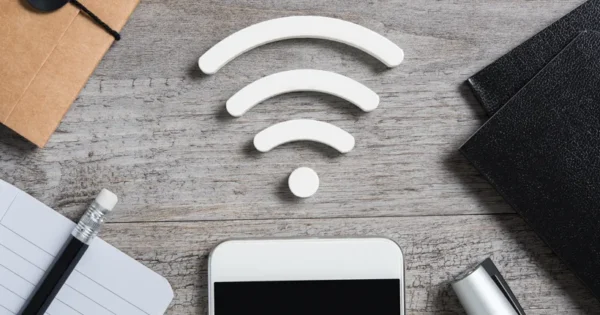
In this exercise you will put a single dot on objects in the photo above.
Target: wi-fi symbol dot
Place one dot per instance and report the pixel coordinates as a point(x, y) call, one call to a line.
point(303, 182)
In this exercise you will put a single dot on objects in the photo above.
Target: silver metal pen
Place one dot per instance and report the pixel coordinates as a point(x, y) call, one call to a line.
point(483, 291)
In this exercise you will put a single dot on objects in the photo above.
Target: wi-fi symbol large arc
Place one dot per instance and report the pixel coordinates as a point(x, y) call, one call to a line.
point(303, 182)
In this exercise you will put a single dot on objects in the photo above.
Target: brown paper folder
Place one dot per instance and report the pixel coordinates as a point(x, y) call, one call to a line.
point(46, 59)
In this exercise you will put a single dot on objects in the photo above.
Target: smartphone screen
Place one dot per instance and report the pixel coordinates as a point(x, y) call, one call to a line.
point(322, 297)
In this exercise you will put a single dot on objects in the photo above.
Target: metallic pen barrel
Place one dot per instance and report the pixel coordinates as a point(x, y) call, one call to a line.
point(483, 291)
point(480, 296)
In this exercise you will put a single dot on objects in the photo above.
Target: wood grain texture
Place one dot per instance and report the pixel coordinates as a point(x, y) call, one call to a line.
point(179, 251)
point(152, 128)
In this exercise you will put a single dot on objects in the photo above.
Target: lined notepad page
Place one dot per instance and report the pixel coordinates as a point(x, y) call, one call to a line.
point(105, 282)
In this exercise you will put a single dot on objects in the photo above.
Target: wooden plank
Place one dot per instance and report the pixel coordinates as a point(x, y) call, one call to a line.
point(151, 127)
point(436, 248)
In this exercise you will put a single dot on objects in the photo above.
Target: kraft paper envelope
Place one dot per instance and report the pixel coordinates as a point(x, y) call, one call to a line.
point(46, 59)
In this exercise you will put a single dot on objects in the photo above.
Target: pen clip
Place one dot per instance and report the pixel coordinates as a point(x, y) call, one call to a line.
point(495, 274)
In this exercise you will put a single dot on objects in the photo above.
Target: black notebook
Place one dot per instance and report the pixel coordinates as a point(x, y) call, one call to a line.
point(497, 83)
point(541, 151)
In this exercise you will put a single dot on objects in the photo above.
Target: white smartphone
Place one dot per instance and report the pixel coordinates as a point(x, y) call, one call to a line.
point(307, 276)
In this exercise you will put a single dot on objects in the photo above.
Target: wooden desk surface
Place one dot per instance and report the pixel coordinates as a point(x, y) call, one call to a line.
point(150, 126)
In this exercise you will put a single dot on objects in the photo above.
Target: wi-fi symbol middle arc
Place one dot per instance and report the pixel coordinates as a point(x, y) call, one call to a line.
point(303, 182)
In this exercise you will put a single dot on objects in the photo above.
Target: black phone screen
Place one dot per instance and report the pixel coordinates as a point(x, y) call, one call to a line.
point(348, 297)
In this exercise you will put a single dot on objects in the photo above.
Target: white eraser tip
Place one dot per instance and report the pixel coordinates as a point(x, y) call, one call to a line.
point(107, 200)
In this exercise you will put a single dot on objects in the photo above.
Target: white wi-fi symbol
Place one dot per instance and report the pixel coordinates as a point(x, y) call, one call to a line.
point(303, 182)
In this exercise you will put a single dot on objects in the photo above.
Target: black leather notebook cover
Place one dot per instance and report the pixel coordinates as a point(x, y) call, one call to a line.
point(497, 83)
point(541, 151)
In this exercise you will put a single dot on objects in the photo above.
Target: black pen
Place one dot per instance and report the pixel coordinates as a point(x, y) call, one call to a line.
point(66, 260)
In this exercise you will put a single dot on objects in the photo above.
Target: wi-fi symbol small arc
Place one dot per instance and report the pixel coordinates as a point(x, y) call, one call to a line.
point(303, 182)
